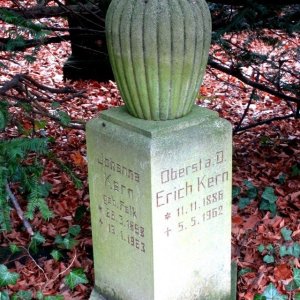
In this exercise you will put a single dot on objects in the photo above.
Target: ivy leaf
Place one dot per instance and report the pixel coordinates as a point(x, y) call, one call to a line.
point(235, 191)
point(270, 248)
point(293, 250)
point(286, 233)
point(297, 277)
point(14, 248)
point(295, 171)
point(271, 293)
point(261, 248)
point(269, 195)
point(36, 240)
point(74, 230)
point(80, 212)
point(282, 178)
point(269, 259)
point(22, 295)
point(244, 271)
point(67, 242)
point(39, 295)
point(249, 184)
point(265, 205)
point(30, 58)
point(252, 193)
point(56, 255)
point(252, 190)
point(4, 295)
point(7, 277)
point(75, 277)
point(284, 251)
point(244, 202)
point(291, 286)
point(296, 250)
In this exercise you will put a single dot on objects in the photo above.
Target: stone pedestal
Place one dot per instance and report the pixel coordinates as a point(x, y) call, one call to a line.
point(161, 206)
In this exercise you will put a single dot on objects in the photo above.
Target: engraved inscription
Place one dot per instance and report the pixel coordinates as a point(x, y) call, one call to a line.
point(164, 197)
point(118, 214)
point(188, 197)
point(173, 174)
point(117, 167)
point(117, 186)
point(118, 222)
point(205, 182)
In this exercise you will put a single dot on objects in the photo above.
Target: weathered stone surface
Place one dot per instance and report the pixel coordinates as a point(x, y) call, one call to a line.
point(158, 51)
point(161, 206)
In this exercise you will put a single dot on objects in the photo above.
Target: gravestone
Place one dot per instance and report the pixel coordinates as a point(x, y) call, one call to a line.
point(160, 168)
point(161, 206)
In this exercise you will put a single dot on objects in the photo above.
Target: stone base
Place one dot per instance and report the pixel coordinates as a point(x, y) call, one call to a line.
point(161, 206)
point(96, 296)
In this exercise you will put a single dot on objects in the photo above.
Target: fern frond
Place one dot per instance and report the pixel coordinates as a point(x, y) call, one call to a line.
point(28, 176)
point(4, 116)
point(36, 199)
point(77, 182)
point(5, 224)
point(38, 204)
point(4, 205)
point(20, 147)
point(17, 20)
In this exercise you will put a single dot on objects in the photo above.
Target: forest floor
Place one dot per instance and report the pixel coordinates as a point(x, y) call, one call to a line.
point(266, 159)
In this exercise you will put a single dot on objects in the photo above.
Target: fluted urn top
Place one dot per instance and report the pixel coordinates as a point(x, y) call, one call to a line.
point(158, 51)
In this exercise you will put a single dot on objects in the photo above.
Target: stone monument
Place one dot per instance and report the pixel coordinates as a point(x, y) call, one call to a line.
point(160, 168)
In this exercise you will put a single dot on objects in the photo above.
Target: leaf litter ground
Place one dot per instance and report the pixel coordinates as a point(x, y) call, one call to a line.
point(267, 156)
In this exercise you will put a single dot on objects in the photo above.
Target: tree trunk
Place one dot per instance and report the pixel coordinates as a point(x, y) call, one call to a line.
point(89, 58)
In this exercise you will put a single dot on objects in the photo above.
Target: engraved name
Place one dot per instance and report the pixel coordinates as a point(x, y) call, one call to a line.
point(204, 183)
point(114, 166)
point(116, 186)
point(173, 174)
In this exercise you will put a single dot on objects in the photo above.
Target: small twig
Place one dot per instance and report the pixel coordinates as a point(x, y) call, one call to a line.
point(268, 121)
point(28, 253)
point(13, 83)
point(235, 72)
point(76, 124)
point(19, 211)
point(29, 81)
point(64, 271)
point(236, 129)
point(48, 88)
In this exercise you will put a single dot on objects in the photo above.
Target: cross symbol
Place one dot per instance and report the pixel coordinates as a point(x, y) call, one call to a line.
point(168, 231)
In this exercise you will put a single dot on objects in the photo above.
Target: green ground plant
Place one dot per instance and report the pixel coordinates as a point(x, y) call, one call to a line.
point(267, 198)
point(75, 277)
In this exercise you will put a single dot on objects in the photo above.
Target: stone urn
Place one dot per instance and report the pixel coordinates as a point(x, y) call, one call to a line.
point(158, 50)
